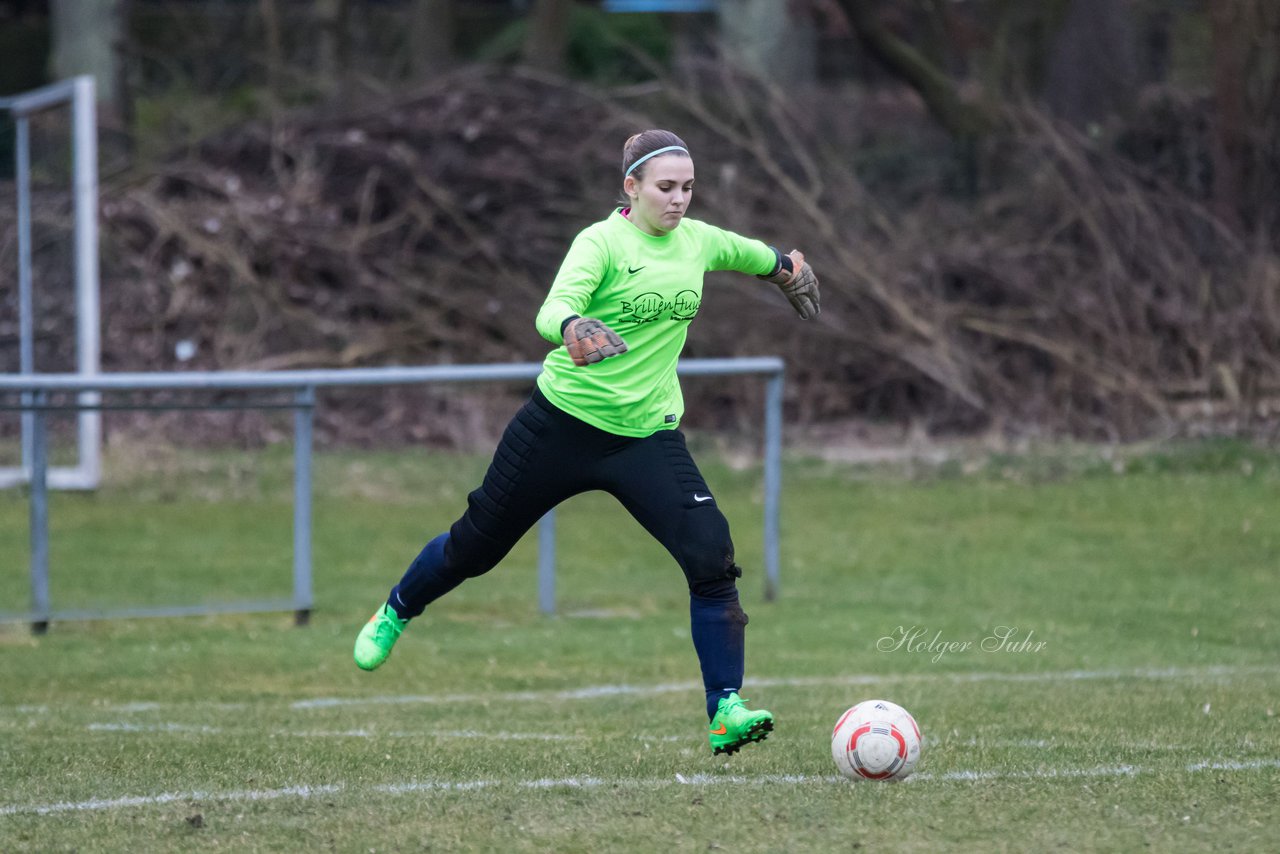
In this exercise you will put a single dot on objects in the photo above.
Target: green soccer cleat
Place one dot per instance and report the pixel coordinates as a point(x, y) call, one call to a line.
point(735, 725)
point(378, 636)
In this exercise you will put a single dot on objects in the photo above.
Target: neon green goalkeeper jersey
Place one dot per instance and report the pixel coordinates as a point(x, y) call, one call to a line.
point(647, 289)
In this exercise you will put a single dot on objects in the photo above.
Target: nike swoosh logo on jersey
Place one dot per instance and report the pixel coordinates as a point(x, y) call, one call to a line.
point(701, 498)
point(636, 270)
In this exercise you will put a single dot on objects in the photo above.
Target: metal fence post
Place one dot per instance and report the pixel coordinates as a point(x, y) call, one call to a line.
point(26, 313)
point(84, 114)
point(39, 518)
point(772, 482)
point(547, 563)
point(303, 421)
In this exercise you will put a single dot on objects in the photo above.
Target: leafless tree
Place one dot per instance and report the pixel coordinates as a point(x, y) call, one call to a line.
point(772, 39)
point(86, 40)
point(431, 33)
point(1246, 83)
point(548, 35)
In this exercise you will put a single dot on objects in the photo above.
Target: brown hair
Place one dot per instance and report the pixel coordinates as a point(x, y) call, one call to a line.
point(647, 142)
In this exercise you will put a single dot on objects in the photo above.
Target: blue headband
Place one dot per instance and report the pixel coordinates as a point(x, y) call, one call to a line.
point(632, 167)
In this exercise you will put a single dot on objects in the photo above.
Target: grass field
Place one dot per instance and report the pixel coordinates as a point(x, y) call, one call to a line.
point(1132, 705)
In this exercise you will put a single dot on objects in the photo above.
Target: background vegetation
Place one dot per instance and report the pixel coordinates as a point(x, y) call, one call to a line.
point(1032, 219)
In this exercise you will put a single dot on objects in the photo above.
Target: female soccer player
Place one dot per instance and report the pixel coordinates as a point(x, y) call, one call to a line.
point(605, 415)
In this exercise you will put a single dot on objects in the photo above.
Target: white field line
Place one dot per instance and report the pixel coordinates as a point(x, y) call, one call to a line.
point(1049, 743)
point(592, 692)
point(306, 792)
point(198, 729)
point(155, 707)
point(598, 691)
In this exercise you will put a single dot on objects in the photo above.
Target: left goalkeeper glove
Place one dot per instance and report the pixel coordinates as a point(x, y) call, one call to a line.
point(798, 284)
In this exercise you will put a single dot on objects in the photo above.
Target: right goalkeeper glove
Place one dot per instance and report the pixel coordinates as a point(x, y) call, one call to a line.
point(590, 341)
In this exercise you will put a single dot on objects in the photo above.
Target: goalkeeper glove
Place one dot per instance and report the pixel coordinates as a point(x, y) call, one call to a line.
point(795, 278)
point(590, 341)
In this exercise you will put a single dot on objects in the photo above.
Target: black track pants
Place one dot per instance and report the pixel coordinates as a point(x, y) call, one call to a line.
point(546, 456)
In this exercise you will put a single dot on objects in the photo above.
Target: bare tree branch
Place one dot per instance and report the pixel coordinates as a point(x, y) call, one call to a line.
point(960, 118)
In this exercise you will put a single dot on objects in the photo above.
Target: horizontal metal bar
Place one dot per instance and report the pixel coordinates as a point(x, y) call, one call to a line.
point(155, 407)
point(59, 478)
point(170, 611)
point(269, 379)
point(39, 99)
point(340, 377)
point(723, 367)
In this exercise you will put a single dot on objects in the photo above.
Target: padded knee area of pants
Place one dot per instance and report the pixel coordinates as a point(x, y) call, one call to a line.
point(470, 551)
point(711, 566)
point(706, 551)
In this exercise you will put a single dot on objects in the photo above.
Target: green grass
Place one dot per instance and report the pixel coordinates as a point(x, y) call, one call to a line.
point(1145, 718)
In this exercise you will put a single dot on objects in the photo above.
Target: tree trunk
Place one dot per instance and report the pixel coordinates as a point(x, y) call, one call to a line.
point(86, 36)
point(275, 49)
point(431, 32)
point(769, 39)
point(963, 120)
point(1020, 38)
point(548, 37)
point(1093, 63)
point(330, 49)
point(1246, 88)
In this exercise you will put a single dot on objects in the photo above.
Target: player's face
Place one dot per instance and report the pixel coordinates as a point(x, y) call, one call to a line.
point(661, 198)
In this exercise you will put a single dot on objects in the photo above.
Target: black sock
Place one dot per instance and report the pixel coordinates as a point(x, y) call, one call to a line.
point(426, 580)
point(718, 625)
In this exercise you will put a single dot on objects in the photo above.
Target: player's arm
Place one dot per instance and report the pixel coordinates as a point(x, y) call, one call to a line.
point(790, 272)
point(560, 319)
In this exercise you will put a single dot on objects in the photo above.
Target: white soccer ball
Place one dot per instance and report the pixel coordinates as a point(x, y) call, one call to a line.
point(876, 740)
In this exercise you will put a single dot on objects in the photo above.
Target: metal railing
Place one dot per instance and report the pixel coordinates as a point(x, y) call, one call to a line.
point(37, 392)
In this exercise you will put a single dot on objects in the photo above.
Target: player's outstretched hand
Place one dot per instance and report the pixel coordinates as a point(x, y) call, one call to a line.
point(799, 285)
point(590, 341)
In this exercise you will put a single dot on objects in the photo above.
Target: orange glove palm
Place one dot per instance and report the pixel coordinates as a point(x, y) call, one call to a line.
point(590, 341)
